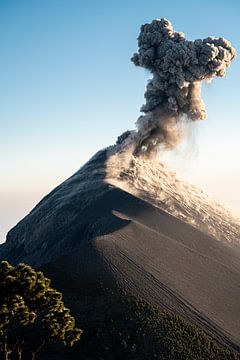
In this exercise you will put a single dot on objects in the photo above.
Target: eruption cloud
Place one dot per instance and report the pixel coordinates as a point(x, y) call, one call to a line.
point(173, 94)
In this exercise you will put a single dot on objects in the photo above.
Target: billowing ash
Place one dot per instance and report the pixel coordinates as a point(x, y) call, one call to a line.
point(178, 67)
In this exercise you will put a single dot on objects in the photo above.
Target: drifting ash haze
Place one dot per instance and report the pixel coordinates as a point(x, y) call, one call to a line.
point(126, 219)
point(154, 182)
point(178, 67)
point(173, 99)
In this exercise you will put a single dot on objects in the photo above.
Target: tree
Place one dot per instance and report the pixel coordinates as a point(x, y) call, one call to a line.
point(28, 305)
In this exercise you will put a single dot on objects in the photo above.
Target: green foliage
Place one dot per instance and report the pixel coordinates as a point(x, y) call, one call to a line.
point(27, 300)
point(126, 328)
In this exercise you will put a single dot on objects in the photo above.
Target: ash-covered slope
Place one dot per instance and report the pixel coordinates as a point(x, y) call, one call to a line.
point(131, 223)
point(154, 182)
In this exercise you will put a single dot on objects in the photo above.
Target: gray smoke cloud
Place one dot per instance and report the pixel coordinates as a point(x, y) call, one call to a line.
point(178, 67)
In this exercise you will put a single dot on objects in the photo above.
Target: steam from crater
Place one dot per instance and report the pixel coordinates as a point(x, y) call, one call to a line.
point(178, 67)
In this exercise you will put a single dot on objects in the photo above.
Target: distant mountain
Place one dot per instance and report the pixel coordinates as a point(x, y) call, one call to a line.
point(128, 225)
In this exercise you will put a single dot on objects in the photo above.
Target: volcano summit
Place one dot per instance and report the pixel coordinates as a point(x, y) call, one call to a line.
point(134, 227)
point(149, 264)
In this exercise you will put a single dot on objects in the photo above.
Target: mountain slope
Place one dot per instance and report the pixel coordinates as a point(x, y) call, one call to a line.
point(106, 222)
point(154, 182)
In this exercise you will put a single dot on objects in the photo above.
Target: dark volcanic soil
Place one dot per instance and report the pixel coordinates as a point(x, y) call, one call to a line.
point(83, 235)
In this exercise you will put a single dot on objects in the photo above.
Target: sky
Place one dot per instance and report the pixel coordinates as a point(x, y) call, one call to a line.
point(68, 89)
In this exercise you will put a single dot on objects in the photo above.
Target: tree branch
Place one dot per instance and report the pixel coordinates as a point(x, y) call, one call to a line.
point(38, 349)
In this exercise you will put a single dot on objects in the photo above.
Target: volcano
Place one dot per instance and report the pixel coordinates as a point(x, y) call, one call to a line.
point(127, 223)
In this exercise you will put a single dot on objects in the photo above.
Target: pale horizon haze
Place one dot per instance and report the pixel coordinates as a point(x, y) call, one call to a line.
point(68, 89)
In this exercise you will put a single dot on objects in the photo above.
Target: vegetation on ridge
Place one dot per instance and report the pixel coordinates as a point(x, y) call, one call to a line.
point(118, 326)
point(31, 313)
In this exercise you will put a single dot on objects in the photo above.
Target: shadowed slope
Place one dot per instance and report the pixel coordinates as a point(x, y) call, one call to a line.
point(86, 230)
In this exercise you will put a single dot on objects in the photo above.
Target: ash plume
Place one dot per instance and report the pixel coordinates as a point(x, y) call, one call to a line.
point(178, 67)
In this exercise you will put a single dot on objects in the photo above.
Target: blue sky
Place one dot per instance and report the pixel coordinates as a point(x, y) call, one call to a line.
point(68, 88)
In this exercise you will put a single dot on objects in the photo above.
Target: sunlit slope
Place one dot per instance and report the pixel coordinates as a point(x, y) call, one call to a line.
point(154, 182)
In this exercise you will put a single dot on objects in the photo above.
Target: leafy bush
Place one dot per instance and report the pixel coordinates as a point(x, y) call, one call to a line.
point(28, 305)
